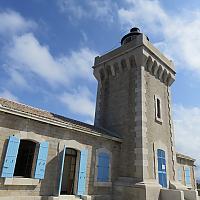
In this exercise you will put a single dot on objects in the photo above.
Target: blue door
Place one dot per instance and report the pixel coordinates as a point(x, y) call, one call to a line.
point(162, 175)
point(82, 172)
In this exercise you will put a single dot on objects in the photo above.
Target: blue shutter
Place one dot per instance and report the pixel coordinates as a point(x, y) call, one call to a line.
point(187, 176)
point(62, 161)
point(11, 157)
point(180, 174)
point(103, 167)
point(41, 160)
point(82, 172)
point(100, 168)
point(106, 168)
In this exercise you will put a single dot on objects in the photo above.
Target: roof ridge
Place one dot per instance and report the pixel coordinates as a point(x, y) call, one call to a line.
point(29, 106)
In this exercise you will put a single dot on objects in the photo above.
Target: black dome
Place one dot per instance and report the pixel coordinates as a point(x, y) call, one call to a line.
point(131, 35)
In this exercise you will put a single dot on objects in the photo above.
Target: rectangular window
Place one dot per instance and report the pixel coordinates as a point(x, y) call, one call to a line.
point(187, 176)
point(103, 167)
point(158, 109)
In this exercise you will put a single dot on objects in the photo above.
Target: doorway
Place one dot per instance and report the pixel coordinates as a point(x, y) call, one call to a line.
point(162, 174)
point(69, 172)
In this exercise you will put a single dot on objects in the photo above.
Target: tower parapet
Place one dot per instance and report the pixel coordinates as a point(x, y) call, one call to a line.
point(135, 50)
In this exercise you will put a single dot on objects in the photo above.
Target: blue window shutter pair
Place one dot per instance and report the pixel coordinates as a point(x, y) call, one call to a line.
point(187, 176)
point(162, 174)
point(103, 167)
point(11, 157)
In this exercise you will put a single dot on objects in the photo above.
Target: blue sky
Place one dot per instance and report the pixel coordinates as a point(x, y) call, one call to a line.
point(47, 49)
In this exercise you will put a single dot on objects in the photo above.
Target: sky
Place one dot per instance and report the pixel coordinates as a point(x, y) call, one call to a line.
point(47, 50)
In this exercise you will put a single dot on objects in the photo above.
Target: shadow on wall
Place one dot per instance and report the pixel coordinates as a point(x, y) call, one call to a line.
point(49, 185)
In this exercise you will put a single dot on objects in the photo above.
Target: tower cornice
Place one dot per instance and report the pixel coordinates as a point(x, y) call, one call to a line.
point(139, 52)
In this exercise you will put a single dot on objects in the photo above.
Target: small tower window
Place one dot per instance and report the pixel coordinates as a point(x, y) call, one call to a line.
point(158, 109)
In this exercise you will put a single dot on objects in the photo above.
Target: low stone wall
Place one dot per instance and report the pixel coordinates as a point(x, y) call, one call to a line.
point(24, 198)
point(166, 194)
point(191, 194)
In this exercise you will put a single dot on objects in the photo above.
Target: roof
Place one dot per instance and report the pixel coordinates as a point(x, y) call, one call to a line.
point(52, 118)
point(179, 155)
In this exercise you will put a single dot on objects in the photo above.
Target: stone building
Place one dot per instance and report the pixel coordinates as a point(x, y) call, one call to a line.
point(128, 154)
point(185, 170)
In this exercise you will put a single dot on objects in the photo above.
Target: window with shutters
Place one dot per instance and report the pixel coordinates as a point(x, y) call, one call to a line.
point(24, 159)
point(158, 109)
point(187, 176)
point(103, 167)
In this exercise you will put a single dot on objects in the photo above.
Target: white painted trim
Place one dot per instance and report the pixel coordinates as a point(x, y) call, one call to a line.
point(21, 181)
point(23, 135)
point(97, 183)
point(56, 123)
point(71, 144)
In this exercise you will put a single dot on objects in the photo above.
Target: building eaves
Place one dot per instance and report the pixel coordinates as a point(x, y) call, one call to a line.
point(179, 155)
point(27, 111)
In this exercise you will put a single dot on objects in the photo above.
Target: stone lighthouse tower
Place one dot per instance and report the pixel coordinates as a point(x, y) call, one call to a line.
point(133, 100)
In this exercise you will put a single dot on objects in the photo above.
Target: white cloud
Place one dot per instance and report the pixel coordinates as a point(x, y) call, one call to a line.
point(179, 33)
point(94, 9)
point(8, 95)
point(27, 60)
point(79, 63)
point(79, 101)
point(27, 55)
point(72, 7)
point(15, 77)
point(187, 131)
point(13, 23)
point(145, 11)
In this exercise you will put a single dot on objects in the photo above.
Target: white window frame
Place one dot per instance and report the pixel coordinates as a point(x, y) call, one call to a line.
point(97, 183)
point(156, 98)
